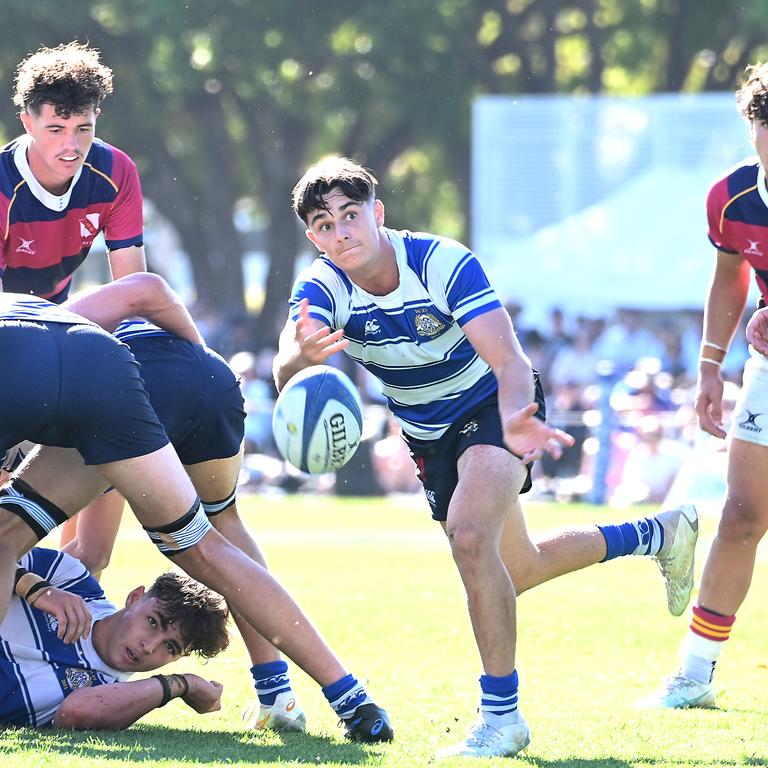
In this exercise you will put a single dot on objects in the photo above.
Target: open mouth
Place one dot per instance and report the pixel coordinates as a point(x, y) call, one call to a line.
point(131, 656)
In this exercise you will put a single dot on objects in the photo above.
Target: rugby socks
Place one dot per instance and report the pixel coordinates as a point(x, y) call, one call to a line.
point(270, 680)
point(642, 537)
point(498, 700)
point(346, 695)
point(704, 643)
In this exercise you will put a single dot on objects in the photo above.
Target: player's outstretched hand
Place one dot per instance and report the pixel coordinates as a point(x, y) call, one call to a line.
point(709, 402)
point(203, 695)
point(316, 344)
point(757, 330)
point(69, 610)
point(530, 438)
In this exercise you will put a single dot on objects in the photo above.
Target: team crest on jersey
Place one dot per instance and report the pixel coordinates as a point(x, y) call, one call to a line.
point(372, 327)
point(79, 678)
point(753, 249)
point(89, 226)
point(25, 246)
point(427, 324)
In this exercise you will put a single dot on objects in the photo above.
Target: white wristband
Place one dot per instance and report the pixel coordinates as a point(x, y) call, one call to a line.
point(714, 346)
point(718, 363)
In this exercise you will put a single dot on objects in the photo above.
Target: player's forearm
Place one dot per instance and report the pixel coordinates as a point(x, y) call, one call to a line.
point(115, 706)
point(726, 300)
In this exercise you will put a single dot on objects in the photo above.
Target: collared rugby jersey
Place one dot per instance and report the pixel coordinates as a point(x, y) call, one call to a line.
point(737, 212)
point(37, 670)
point(412, 339)
point(45, 237)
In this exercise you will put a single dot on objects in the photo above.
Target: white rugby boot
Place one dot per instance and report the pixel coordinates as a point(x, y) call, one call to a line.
point(675, 558)
point(486, 741)
point(284, 715)
point(679, 692)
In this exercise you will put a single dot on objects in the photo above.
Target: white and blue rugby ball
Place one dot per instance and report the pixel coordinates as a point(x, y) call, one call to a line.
point(317, 420)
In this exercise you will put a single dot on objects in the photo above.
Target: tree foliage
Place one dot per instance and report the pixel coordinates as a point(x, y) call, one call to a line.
point(223, 103)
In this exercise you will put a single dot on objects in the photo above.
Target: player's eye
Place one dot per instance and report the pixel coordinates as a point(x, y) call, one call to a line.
point(152, 622)
point(352, 215)
point(171, 648)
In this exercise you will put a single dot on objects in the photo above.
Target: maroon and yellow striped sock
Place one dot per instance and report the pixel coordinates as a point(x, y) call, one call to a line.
point(710, 625)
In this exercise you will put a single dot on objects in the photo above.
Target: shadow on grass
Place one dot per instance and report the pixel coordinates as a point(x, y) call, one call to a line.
point(615, 762)
point(157, 743)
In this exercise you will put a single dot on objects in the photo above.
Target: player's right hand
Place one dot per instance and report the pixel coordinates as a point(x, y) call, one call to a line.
point(757, 330)
point(316, 341)
point(70, 611)
point(709, 402)
point(203, 695)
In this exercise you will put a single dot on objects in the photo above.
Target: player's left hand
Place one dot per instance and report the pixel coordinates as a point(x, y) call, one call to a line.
point(757, 331)
point(530, 438)
point(69, 610)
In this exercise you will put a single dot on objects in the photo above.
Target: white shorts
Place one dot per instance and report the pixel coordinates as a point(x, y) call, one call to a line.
point(750, 414)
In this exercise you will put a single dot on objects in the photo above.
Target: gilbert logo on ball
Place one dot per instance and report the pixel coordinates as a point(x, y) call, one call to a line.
point(318, 419)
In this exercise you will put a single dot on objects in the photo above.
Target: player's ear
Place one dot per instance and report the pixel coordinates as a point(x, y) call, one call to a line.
point(378, 212)
point(26, 120)
point(133, 596)
point(312, 238)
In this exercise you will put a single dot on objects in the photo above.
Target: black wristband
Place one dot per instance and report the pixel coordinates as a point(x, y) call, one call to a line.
point(184, 685)
point(35, 588)
point(166, 689)
point(17, 576)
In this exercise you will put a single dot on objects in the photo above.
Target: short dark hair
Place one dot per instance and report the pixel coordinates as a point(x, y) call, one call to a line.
point(356, 182)
point(199, 612)
point(69, 77)
point(752, 97)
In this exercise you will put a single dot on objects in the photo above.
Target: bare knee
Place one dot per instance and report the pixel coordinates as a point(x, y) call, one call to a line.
point(468, 543)
point(741, 521)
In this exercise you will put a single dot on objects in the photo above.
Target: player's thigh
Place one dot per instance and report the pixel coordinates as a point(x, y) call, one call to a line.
point(215, 479)
point(747, 488)
point(490, 479)
point(98, 523)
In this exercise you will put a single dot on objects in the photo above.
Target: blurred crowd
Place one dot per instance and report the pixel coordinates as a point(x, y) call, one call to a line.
point(622, 385)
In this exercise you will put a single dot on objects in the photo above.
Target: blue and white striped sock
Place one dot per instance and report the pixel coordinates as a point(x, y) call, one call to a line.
point(642, 537)
point(346, 695)
point(498, 700)
point(270, 680)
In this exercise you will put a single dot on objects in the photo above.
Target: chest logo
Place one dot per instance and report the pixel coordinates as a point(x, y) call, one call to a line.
point(25, 246)
point(427, 324)
point(753, 249)
point(372, 327)
point(89, 226)
point(79, 678)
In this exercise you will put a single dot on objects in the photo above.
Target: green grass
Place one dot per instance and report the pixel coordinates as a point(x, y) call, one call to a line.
point(376, 577)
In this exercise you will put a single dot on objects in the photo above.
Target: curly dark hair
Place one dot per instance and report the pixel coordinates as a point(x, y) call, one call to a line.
point(752, 97)
point(200, 613)
point(356, 182)
point(69, 77)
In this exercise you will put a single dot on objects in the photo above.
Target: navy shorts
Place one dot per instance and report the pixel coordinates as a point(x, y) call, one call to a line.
point(195, 394)
point(74, 386)
point(437, 460)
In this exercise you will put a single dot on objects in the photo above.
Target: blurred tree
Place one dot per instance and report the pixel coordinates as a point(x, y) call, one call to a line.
point(227, 101)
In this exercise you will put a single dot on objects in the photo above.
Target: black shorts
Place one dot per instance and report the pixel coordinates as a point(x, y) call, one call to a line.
point(74, 386)
point(195, 394)
point(437, 460)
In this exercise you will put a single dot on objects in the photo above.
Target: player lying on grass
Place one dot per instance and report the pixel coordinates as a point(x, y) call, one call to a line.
point(46, 678)
point(197, 399)
point(73, 385)
point(418, 312)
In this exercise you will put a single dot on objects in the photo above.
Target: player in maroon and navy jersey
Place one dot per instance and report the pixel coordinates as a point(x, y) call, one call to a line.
point(737, 209)
point(59, 185)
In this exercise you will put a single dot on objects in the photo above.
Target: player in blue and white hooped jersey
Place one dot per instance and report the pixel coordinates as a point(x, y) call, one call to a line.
point(74, 386)
point(48, 679)
point(417, 310)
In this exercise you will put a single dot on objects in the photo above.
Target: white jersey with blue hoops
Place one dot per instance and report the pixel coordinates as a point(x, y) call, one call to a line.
point(412, 338)
point(22, 306)
point(37, 669)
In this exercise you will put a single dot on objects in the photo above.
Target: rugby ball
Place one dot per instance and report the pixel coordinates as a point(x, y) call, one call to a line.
point(317, 420)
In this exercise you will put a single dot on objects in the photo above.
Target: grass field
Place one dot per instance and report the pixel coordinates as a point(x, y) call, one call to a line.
point(376, 577)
